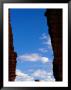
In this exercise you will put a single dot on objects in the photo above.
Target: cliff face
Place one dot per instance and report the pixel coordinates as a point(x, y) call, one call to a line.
point(54, 20)
point(12, 56)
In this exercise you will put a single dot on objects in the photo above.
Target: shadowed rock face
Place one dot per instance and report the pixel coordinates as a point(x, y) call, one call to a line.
point(54, 20)
point(12, 56)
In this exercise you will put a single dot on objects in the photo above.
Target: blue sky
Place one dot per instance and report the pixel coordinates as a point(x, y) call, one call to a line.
point(32, 43)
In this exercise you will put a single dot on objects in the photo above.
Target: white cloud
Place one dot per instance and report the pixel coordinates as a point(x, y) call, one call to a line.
point(19, 73)
point(46, 39)
point(29, 57)
point(33, 57)
point(49, 41)
point(43, 50)
point(49, 79)
point(44, 59)
point(44, 36)
point(22, 76)
point(46, 76)
point(40, 73)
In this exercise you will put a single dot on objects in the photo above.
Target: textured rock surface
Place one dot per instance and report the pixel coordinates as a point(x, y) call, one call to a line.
point(54, 20)
point(12, 56)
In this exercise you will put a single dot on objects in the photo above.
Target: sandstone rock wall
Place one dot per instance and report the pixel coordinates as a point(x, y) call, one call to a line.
point(54, 22)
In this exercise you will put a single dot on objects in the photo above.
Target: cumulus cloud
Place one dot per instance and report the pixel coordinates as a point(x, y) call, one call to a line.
point(33, 57)
point(40, 73)
point(49, 78)
point(21, 76)
point(29, 57)
point(44, 59)
point(46, 76)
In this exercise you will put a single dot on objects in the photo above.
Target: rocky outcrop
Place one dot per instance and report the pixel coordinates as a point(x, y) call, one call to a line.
point(12, 56)
point(54, 22)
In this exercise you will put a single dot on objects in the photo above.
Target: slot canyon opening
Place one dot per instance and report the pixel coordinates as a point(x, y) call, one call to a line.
point(34, 50)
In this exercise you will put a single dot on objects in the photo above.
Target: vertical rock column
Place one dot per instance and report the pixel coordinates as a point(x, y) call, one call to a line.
point(54, 22)
point(12, 55)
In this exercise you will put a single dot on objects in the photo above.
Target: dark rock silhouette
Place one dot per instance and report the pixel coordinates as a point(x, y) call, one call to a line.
point(54, 22)
point(12, 56)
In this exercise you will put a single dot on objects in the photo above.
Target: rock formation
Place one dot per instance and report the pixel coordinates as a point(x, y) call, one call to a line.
point(12, 56)
point(54, 22)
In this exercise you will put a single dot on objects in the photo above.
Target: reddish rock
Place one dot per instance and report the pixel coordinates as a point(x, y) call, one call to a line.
point(54, 22)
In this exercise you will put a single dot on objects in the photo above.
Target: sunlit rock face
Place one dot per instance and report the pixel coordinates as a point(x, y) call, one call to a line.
point(12, 56)
point(54, 22)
